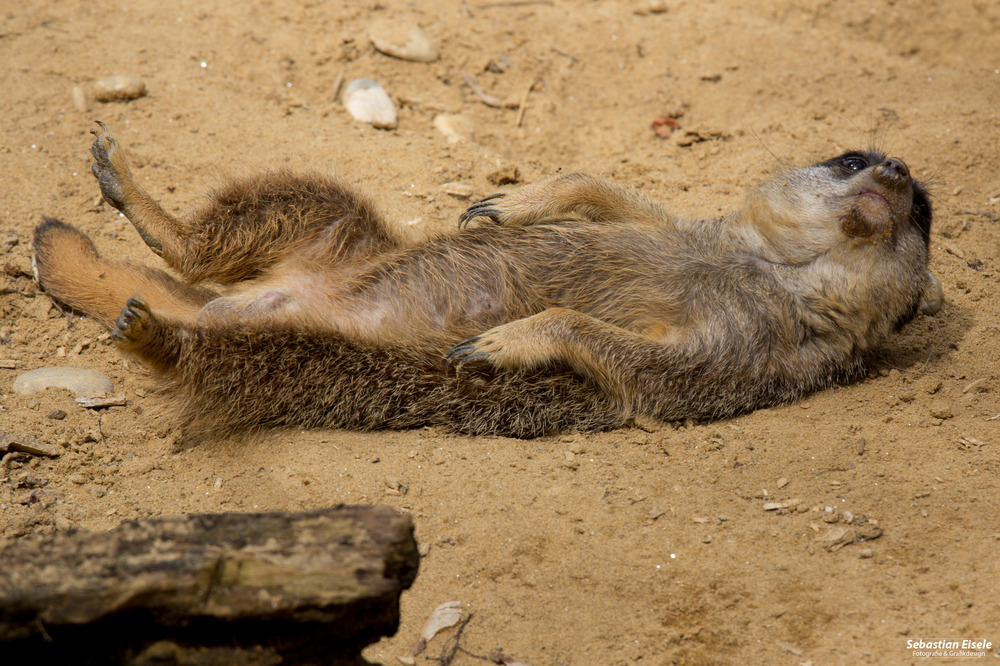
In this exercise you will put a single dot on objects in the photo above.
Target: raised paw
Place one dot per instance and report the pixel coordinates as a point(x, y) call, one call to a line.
point(135, 324)
point(110, 167)
point(485, 207)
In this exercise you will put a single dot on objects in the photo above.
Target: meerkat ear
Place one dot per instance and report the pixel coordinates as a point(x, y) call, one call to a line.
point(921, 213)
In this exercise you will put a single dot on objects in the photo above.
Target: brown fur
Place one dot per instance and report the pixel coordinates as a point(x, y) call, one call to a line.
point(300, 306)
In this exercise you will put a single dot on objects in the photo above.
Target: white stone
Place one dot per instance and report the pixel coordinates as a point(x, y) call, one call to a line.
point(78, 380)
point(368, 102)
point(455, 127)
point(118, 88)
point(402, 39)
point(460, 190)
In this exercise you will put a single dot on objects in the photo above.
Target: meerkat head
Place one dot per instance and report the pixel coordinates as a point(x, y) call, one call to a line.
point(860, 197)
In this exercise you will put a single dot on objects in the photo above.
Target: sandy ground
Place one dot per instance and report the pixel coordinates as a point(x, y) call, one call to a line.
point(636, 546)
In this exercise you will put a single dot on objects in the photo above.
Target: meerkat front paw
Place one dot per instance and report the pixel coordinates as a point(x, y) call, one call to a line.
point(485, 207)
point(521, 207)
point(110, 167)
point(518, 345)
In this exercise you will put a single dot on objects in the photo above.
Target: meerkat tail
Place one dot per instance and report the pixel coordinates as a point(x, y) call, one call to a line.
point(228, 381)
point(69, 268)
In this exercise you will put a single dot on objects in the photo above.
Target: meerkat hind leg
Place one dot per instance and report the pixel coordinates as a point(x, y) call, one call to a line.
point(559, 197)
point(69, 268)
point(150, 338)
point(163, 233)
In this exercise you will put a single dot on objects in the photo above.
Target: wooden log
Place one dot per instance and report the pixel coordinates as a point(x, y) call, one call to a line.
point(318, 584)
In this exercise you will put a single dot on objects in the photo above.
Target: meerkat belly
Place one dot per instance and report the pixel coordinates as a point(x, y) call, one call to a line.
point(397, 305)
point(416, 306)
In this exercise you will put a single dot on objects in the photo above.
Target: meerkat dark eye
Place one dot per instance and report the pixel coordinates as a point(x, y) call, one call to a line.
point(854, 163)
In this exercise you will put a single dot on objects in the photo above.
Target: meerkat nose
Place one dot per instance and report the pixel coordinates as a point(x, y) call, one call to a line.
point(892, 172)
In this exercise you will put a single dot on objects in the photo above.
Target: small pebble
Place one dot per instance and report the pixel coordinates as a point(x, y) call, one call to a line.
point(837, 538)
point(368, 102)
point(78, 380)
point(650, 7)
point(773, 506)
point(118, 89)
point(455, 127)
point(941, 409)
point(81, 100)
point(506, 175)
point(56, 415)
point(499, 64)
point(866, 553)
point(34, 447)
point(402, 39)
point(460, 190)
point(782, 482)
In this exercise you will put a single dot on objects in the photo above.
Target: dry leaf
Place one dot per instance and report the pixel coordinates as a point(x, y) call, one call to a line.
point(446, 615)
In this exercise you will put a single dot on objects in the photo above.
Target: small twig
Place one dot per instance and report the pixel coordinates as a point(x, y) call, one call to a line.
point(337, 83)
point(515, 3)
point(485, 97)
point(524, 100)
point(559, 51)
point(27, 293)
point(979, 213)
point(99, 402)
point(452, 646)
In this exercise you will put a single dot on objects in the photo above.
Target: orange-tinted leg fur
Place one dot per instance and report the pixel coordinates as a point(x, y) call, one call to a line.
point(69, 268)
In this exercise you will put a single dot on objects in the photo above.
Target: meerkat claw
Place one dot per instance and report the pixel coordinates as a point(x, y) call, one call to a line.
point(482, 209)
point(464, 352)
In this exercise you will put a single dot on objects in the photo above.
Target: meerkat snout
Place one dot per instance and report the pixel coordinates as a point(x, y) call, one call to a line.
point(892, 173)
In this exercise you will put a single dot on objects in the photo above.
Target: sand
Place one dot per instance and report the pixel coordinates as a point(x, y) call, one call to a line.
point(731, 542)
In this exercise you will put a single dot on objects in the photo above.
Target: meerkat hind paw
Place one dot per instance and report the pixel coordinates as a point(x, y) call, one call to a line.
point(133, 322)
point(104, 169)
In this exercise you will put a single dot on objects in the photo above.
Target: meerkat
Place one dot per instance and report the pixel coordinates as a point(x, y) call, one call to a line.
point(577, 304)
